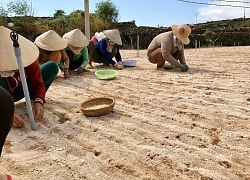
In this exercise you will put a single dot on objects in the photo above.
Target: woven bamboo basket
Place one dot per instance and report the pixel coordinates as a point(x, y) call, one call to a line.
point(97, 106)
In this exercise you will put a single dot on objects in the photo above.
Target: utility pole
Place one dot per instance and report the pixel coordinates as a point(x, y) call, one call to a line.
point(196, 18)
point(244, 13)
point(86, 14)
point(244, 16)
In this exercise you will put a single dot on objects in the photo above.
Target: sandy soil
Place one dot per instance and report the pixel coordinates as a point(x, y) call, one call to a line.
point(166, 124)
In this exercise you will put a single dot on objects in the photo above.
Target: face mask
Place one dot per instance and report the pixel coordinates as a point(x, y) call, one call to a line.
point(6, 73)
point(75, 49)
point(110, 45)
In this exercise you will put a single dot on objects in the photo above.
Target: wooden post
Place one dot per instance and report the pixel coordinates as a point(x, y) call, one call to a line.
point(138, 47)
point(87, 26)
point(195, 46)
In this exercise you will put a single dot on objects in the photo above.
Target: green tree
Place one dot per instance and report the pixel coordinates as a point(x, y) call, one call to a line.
point(24, 22)
point(59, 22)
point(3, 16)
point(210, 35)
point(59, 13)
point(76, 20)
point(107, 11)
point(97, 24)
point(3, 12)
point(21, 8)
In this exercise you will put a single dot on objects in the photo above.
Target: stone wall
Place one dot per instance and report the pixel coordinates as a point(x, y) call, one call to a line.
point(203, 34)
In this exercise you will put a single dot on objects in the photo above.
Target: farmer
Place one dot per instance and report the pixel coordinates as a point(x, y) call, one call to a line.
point(107, 48)
point(6, 113)
point(76, 50)
point(51, 48)
point(169, 46)
point(38, 78)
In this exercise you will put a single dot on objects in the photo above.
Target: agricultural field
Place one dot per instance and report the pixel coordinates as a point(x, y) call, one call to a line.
point(166, 124)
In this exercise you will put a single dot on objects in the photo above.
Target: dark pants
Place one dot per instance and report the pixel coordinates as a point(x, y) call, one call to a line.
point(73, 65)
point(49, 71)
point(98, 58)
point(6, 115)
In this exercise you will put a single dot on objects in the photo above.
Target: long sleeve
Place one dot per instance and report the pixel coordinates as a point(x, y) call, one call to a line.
point(101, 46)
point(85, 57)
point(34, 76)
point(65, 58)
point(118, 55)
point(165, 42)
point(182, 56)
point(167, 50)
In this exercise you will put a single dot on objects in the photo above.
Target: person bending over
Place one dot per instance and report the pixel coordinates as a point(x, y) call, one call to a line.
point(51, 48)
point(107, 48)
point(169, 46)
point(38, 78)
point(76, 50)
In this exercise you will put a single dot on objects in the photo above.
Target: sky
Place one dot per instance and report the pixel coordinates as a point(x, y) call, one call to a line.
point(151, 13)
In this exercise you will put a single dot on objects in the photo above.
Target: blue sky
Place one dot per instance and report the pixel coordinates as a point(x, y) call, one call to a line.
point(150, 12)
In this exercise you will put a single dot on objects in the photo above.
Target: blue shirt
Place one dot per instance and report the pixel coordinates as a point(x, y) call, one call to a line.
point(101, 48)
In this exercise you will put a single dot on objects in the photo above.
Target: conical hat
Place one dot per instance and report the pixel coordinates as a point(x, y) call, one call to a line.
point(8, 59)
point(76, 38)
point(182, 32)
point(113, 35)
point(50, 41)
point(99, 35)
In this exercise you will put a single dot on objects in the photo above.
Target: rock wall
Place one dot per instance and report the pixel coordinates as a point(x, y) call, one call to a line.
point(203, 34)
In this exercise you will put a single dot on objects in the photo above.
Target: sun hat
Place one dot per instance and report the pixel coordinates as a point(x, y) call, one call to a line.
point(99, 35)
point(8, 60)
point(113, 35)
point(76, 38)
point(182, 32)
point(50, 41)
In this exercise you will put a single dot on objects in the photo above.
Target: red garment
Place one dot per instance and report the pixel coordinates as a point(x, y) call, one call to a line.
point(8, 177)
point(94, 39)
point(34, 76)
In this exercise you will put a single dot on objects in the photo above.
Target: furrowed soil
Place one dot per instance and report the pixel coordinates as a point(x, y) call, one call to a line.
point(166, 124)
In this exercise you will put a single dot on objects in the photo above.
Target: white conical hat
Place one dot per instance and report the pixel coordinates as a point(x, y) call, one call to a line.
point(8, 59)
point(113, 35)
point(50, 41)
point(76, 38)
point(99, 35)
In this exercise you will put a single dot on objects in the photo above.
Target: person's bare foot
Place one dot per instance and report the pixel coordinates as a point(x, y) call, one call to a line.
point(17, 121)
point(85, 70)
point(89, 66)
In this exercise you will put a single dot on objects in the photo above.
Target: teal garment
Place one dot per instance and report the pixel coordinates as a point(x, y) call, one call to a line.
point(83, 54)
point(49, 71)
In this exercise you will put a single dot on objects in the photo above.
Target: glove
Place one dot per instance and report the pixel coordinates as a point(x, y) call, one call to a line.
point(79, 70)
point(182, 67)
point(185, 66)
